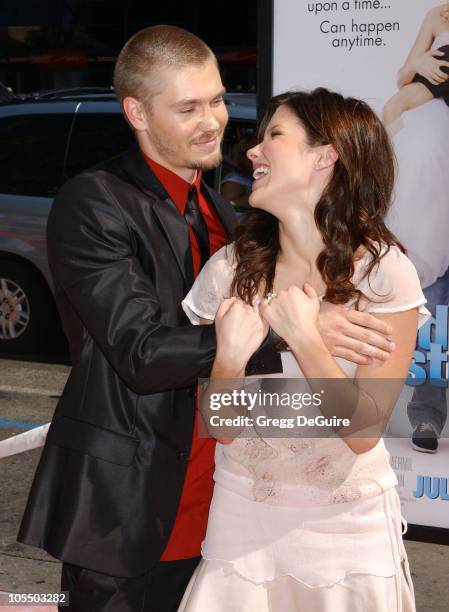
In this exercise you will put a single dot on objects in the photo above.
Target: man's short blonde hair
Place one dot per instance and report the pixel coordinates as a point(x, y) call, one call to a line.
point(156, 47)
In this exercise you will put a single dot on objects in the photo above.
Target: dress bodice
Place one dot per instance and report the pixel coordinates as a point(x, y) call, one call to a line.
point(305, 471)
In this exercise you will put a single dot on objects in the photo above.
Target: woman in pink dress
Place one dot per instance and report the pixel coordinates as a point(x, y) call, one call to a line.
point(309, 523)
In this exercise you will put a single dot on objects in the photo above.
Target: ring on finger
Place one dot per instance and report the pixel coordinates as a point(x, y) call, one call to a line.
point(271, 295)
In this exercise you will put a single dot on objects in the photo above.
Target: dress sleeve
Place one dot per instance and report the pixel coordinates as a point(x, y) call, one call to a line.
point(211, 286)
point(393, 286)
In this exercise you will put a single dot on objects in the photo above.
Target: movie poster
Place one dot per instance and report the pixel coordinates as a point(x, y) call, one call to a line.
point(388, 53)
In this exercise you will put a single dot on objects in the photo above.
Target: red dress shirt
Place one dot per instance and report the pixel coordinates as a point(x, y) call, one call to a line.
point(191, 520)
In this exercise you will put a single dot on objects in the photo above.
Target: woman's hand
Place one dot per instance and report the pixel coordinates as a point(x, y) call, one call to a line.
point(429, 66)
point(240, 331)
point(293, 314)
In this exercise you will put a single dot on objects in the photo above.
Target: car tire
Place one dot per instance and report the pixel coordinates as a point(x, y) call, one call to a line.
point(28, 314)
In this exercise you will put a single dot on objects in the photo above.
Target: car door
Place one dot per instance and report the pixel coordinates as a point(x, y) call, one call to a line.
point(33, 142)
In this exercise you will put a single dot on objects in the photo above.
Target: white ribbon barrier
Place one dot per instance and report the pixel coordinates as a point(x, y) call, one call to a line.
point(34, 438)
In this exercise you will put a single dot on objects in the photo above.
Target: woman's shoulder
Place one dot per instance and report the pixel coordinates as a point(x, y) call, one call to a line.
point(391, 256)
point(392, 283)
point(440, 7)
point(391, 261)
point(211, 286)
point(222, 261)
point(434, 14)
point(433, 20)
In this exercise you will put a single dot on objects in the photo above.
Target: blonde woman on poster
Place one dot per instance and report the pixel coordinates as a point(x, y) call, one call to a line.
point(301, 524)
point(420, 212)
point(425, 74)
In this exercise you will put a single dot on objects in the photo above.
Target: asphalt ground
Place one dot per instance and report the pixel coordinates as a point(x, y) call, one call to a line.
point(28, 396)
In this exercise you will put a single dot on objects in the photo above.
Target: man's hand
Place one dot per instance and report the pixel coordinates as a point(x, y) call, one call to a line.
point(356, 336)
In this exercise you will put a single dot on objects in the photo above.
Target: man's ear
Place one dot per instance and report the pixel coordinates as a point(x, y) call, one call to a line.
point(327, 158)
point(135, 113)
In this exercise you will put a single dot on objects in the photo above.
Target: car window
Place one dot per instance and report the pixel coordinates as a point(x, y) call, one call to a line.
point(95, 138)
point(32, 152)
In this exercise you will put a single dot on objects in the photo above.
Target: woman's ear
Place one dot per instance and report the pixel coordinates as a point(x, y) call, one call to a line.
point(327, 157)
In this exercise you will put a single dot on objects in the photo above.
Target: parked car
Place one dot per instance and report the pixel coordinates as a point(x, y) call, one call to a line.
point(45, 139)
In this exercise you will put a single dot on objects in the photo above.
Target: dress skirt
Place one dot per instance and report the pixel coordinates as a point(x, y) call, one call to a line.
point(347, 557)
point(215, 587)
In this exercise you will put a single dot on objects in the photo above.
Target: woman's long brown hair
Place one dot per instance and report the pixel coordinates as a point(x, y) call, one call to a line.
point(351, 211)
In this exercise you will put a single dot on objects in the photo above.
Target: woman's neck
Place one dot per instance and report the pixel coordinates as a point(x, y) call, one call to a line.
point(300, 244)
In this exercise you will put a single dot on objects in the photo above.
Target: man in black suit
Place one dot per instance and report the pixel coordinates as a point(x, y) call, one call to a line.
point(122, 489)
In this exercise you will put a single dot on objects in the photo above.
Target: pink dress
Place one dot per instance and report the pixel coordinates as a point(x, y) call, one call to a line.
point(304, 524)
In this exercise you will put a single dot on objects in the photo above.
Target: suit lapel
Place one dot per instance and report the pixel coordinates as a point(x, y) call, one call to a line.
point(170, 220)
point(175, 228)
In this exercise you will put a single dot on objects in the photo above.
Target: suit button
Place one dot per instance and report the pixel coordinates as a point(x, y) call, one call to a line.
point(183, 456)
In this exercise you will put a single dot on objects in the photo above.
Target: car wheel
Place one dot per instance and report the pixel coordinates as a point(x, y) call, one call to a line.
point(27, 310)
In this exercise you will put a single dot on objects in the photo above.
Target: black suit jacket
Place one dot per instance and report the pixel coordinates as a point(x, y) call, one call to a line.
point(107, 488)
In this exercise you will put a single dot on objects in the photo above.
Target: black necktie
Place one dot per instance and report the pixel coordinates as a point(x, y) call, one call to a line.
point(194, 219)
